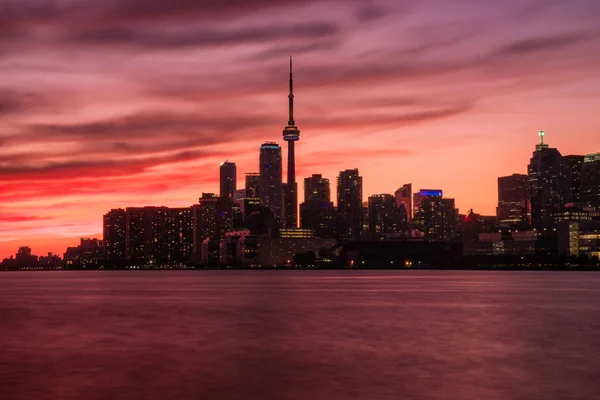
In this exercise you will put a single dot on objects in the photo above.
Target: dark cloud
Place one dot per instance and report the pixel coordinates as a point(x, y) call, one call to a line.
point(175, 38)
point(15, 102)
point(152, 126)
point(312, 47)
point(104, 168)
point(544, 44)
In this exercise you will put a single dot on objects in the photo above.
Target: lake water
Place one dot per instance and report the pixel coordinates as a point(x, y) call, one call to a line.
point(299, 335)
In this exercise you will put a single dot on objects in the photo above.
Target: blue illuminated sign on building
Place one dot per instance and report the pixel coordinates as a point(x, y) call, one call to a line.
point(430, 193)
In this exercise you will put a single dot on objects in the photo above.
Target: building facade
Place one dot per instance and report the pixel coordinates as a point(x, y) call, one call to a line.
point(271, 186)
point(514, 201)
point(349, 203)
point(227, 179)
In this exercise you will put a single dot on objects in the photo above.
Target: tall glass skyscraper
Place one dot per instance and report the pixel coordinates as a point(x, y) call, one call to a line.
point(227, 173)
point(549, 185)
point(349, 203)
point(270, 185)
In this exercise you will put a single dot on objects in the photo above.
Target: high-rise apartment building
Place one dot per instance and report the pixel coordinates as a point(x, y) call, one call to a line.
point(227, 174)
point(145, 234)
point(418, 216)
point(514, 201)
point(271, 186)
point(114, 234)
point(349, 203)
point(383, 215)
point(178, 235)
point(439, 218)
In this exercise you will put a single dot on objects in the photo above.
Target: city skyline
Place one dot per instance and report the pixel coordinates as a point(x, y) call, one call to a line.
point(64, 163)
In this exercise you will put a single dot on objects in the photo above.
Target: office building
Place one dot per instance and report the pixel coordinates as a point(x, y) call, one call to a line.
point(252, 197)
point(270, 184)
point(590, 181)
point(514, 201)
point(317, 188)
point(114, 234)
point(549, 185)
point(317, 212)
point(320, 217)
point(574, 166)
point(228, 173)
point(349, 203)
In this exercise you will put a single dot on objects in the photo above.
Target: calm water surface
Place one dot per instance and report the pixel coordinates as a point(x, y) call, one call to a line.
point(299, 335)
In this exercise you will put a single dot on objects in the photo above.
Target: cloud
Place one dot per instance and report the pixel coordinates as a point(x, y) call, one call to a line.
point(153, 37)
point(17, 102)
point(544, 44)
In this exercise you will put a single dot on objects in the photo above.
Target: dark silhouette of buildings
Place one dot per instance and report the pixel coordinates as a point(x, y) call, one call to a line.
point(178, 235)
point(317, 212)
point(418, 213)
point(252, 198)
point(404, 202)
point(271, 186)
point(87, 255)
point(574, 166)
point(383, 215)
point(291, 134)
point(228, 174)
point(549, 183)
point(439, 218)
point(514, 201)
point(317, 188)
point(349, 203)
point(145, 242)
point(590, 181)
point(114, 234)
point(212, 218)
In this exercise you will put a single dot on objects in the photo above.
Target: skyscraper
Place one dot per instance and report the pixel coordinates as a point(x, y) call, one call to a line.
point(349, 203)
point(513, 201)
point(178, 235)
point(252, 199)
point(145, 234)
point(227, 172)
point(317, 188)
point(549, 184)
point(317, 212)
point(114, 234)
point(590, 181)
point(404, 200)
point(213, 217)
point(439, 218)
point(291, 134)
point(383, 214)
point(271, 186)
point(574, 166)
point(418, 215)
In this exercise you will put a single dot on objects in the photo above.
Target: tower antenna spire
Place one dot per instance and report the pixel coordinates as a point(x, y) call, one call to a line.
point(291, 96)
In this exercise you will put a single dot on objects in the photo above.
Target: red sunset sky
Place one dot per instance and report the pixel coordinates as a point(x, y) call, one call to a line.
point(117, 103)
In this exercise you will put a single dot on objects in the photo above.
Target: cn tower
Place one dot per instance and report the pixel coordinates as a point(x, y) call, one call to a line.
point(291, 134)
